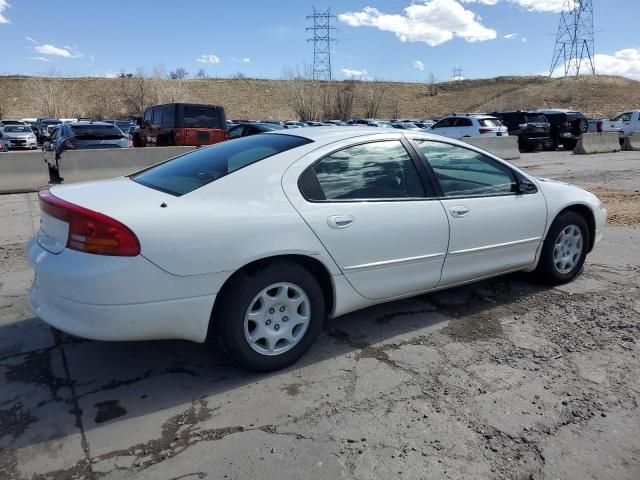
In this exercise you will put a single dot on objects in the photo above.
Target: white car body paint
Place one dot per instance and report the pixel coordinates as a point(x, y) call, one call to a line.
point(191, 247)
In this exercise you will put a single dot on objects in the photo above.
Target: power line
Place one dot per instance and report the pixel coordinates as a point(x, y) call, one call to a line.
point(575, 40)
point(322, 39)
point(457, 73)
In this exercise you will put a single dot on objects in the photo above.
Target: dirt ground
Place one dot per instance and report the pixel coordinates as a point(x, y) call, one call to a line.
point(500, 379)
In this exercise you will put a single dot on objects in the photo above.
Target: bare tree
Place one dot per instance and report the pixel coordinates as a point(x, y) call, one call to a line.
point(301, 93)
point(136, 91)
point(47, 94)
point(201, 74)
point(395, 107)
point(343, 102)
point(372, 93)
point(178, 74)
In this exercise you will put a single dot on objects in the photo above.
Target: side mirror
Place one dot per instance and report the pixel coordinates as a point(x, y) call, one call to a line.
point(525, 186)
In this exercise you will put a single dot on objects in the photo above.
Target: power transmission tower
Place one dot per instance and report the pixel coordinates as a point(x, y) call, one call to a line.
point(575, 40)
point(457, 73)
point(322, 39)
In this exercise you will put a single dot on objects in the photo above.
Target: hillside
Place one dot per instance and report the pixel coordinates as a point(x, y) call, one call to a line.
point(250, 98)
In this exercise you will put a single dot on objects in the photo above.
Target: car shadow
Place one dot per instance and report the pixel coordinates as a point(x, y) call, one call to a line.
point(55, 391)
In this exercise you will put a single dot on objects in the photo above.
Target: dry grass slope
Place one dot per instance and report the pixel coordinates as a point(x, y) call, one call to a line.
point(248, 98)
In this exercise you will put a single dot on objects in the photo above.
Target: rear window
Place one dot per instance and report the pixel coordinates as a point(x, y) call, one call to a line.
point(490, 122)
point(536, 119)
point(95, 132)
point(201, 116)
point(201, 167)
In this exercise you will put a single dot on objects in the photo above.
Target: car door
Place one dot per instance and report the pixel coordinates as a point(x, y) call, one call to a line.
point(497, 216)
point(444, 127)
point(368, 205)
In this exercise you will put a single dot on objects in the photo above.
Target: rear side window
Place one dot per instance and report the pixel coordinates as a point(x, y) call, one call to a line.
point(201, 167)
point(95, 132)
point(378, 170)
point(169, 114)
point(201, 116)
point(490, 122)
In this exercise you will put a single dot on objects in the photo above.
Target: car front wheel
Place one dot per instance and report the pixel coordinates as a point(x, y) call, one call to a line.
point(565, 249)
point(271, 317)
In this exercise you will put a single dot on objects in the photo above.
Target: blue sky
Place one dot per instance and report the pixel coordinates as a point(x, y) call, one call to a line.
point(389, 39)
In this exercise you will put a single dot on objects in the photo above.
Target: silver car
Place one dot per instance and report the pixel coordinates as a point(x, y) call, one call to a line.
point(19, 136)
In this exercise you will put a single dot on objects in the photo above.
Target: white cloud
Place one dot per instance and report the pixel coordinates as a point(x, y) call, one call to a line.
point(208, 58)
point(52, 50)
point(523, 39)
point(418, 65)
point(350, 72)
point(242, 60)
point(3, 6)
point(431, 21)
point(553, 6)
point(623, 63)
point(31, 40)
point(39, 59)
point(510, 36)
point(483, 2)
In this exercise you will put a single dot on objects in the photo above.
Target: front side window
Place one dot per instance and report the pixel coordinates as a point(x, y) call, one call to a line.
point(157, 115)
point(377, 170)
point(464, 173)
point(201, 167)
point(445, 122)
point(463, 122)
point(147, 115)
point(236, 132)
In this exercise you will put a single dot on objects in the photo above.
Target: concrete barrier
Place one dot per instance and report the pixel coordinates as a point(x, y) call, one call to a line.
point(632, 143)
point(22, 171)
point(85, 165)
point(503, 147)
point(605, 142)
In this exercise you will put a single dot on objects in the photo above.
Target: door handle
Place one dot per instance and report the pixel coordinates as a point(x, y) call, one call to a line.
point(460, 211)
point(340, 221)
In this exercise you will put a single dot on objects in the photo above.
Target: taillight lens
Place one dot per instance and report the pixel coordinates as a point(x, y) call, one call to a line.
point(68, 145)
point(486, 130)
point(89, 231)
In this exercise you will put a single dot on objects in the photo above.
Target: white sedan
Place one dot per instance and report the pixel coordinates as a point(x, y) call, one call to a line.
point(255, 241)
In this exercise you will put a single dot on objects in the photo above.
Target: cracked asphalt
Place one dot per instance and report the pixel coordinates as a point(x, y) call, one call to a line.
point(499, 379)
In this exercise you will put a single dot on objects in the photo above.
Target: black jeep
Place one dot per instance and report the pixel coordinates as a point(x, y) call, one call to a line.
point(531, 128)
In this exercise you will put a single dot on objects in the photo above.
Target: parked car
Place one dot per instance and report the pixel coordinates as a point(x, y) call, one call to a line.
point(246, 129)
point(255, 241)
point(624, 123)
point(7, 121)
point(187, 124)
point(42, 127)
point(293, 124)
point(566, 127)
point(469, 125)
point(123, 125)
point(405, 126)
point(531, 128)
point(83, 135)
point(18, 136)
point(3, 145)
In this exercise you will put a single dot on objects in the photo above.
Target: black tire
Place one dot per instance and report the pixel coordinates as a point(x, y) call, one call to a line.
point(528, 146)
point(550, 145)
point(569, 145)
point(580, 125)
point(547, 270)
point(228, 328)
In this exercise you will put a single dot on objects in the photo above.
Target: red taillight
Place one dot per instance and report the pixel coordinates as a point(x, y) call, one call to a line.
point(68, 145)
point(89, 231)
point(486, 130)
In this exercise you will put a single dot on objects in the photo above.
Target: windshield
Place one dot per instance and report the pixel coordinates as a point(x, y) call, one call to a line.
point(96, 132)
point(200, 167)
point(17, 129)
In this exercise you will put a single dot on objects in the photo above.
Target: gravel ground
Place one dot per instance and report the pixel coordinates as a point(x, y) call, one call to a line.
point(500, 379)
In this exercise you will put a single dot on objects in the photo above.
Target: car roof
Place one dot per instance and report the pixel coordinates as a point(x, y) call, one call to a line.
point(333, 134)
point(83, 123)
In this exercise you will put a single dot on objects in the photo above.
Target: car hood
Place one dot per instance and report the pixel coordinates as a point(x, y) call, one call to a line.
point(15, 135)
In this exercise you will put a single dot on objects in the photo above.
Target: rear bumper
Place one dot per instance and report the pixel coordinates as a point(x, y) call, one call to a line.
point(119, 298)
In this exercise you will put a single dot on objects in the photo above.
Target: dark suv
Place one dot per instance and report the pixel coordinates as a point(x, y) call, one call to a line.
point(187, 124)
point(531, 128)
point(567, 127)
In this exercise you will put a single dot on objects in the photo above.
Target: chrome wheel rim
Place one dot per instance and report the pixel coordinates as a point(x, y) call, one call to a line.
point(568, 249)
point(277, 319)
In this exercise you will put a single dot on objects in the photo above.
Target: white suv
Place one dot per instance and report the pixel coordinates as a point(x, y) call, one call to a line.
point(469, 125)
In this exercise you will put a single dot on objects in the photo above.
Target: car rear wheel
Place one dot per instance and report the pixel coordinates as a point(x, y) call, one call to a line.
point(569, 144)
point(565, 249)
point(271, 317)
